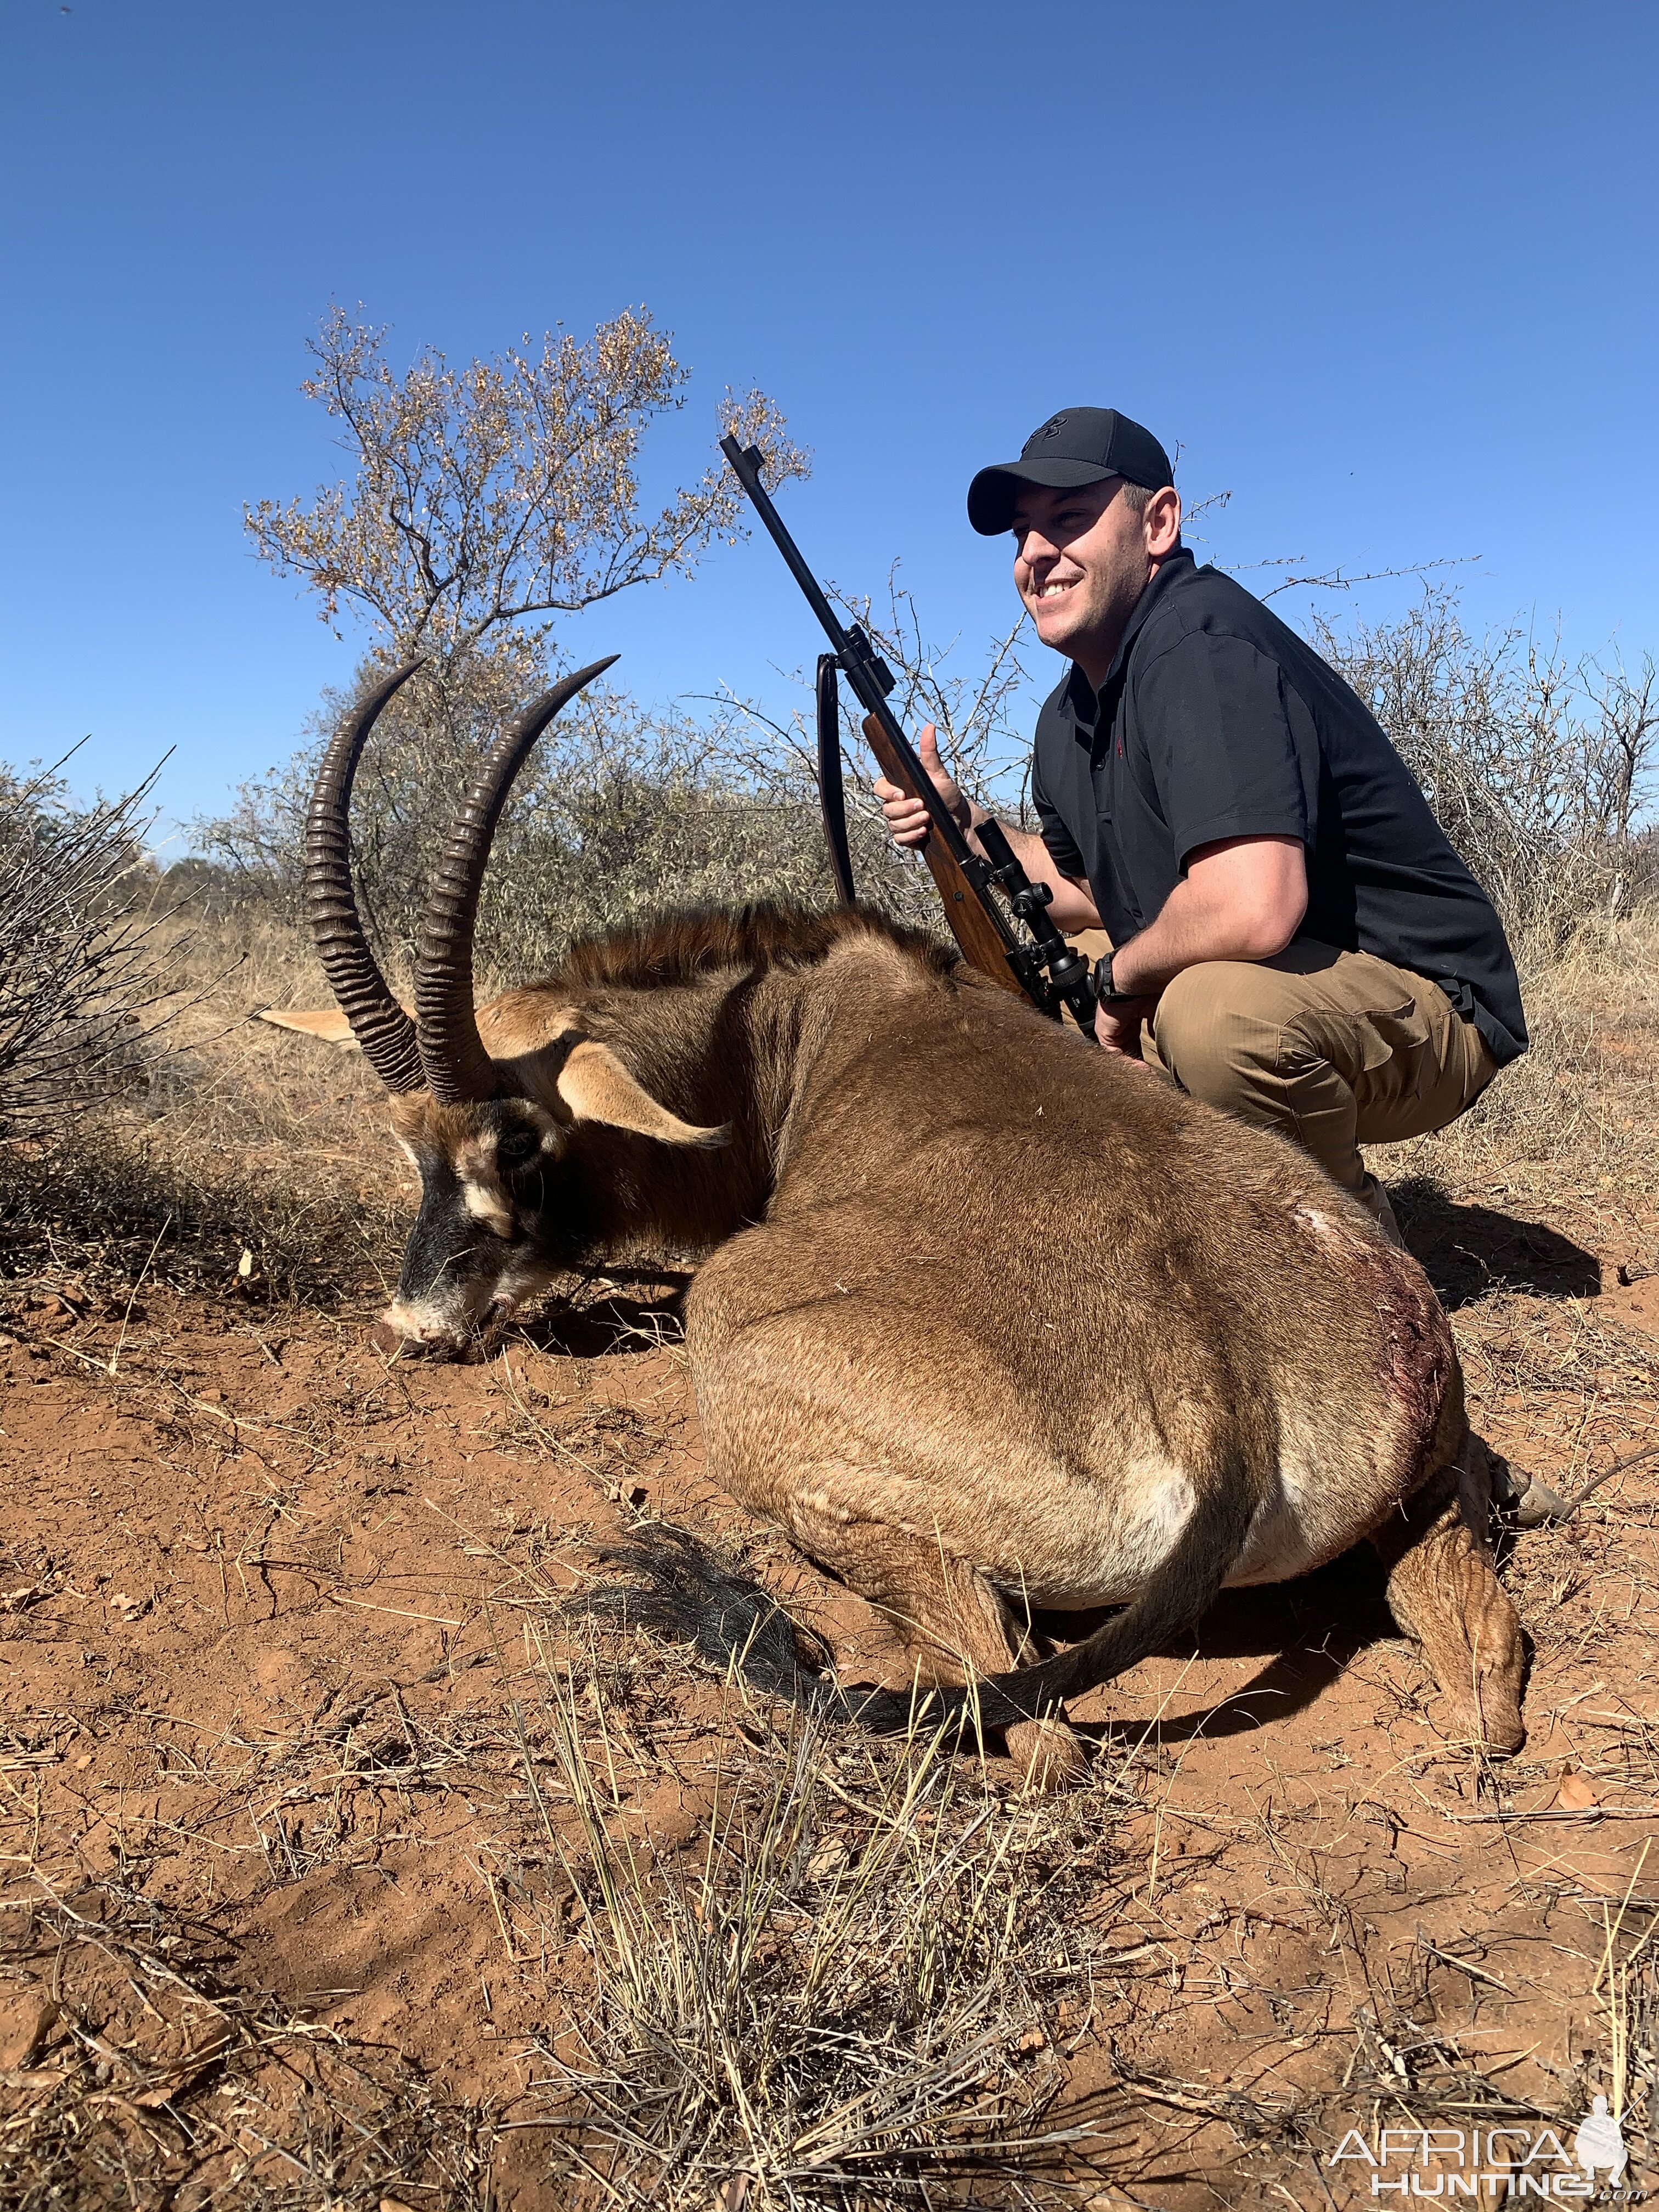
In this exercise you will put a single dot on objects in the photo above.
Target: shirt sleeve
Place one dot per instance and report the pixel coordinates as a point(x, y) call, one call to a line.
point(1224, 753)
point(1062, 845)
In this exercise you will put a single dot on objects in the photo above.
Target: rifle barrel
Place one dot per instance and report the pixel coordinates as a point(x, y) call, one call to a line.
point(866, 685)
point(1067, 978)
point(744, 467)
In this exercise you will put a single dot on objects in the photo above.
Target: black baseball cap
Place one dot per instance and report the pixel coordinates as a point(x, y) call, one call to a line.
point(1079, 445)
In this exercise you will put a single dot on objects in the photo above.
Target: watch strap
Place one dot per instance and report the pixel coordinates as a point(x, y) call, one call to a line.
point(1106, 991)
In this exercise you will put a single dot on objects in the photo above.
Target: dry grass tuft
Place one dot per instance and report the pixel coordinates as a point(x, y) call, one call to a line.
point(860, 1995)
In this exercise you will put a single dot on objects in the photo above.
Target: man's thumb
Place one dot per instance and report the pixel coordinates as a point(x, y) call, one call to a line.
point(927, 747)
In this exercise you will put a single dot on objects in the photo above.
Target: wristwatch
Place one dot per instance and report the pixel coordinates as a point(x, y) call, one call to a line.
point(1106, 992)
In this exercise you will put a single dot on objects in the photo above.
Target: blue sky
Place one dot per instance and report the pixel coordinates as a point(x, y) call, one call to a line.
point(1386, 274)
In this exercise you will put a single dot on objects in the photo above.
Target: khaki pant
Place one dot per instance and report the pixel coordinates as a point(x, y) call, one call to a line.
point(1335, 1049)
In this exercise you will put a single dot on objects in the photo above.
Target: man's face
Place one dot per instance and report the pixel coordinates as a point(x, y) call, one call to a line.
point(1081, 562)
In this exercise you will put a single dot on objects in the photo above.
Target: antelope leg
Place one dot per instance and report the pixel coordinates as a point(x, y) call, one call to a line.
point(1445, 1593)
point(954, 1619)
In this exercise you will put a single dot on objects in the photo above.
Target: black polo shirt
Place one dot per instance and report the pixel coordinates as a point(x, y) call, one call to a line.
point(1216, 721)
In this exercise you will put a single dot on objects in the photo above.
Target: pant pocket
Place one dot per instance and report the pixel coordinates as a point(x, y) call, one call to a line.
point(1393, 1034)
point(1401, 1075)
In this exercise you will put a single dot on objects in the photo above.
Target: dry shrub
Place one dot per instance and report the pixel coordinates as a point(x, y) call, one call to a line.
point(620, 811)
point(78, 931)
point(618, 814)
point(1573, 1118)
point(1537, 771)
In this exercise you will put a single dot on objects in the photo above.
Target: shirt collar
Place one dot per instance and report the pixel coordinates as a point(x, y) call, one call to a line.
point(1081, 702)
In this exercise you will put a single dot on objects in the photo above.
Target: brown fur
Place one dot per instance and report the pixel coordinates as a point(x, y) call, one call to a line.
point(986, 1320)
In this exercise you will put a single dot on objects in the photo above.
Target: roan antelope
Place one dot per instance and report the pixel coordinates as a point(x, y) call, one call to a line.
point(982, 1319)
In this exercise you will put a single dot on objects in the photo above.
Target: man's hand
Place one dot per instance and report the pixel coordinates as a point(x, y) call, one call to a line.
point(1117, 1027)
point(907, 823)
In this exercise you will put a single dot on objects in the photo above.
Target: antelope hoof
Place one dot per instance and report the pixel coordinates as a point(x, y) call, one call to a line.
point(1049, 1752)
point(1487, 1713)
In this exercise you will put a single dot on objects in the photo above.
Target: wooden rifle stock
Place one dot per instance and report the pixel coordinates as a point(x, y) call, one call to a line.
point(970, 926)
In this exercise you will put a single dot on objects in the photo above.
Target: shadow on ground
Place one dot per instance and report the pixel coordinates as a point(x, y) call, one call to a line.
point(603, 1320)
point(1471, 1251)
point(1307, 1632)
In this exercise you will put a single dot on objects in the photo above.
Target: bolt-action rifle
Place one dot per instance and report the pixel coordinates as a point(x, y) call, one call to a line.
point(1016, 944)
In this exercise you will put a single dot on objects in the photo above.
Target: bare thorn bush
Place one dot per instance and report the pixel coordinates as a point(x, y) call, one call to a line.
point(618, 813)
point(1538, 771)
point(79, 920)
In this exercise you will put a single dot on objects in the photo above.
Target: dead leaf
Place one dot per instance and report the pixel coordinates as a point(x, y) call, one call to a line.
point(1575, 1795)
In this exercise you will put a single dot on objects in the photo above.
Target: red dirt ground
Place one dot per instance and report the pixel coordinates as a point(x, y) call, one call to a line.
point(271, 1607)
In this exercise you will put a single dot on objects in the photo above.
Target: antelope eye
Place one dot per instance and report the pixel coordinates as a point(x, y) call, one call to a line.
point(516, 1148)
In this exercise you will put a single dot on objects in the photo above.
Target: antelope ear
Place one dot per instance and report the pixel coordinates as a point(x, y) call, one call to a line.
point(596, 1087)
point(326, 1023)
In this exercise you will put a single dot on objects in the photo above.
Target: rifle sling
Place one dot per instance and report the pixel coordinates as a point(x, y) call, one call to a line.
point(832, 799)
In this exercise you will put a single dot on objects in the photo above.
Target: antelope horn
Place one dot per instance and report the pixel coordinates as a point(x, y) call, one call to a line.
point(451, 1052)
point(378, 1021)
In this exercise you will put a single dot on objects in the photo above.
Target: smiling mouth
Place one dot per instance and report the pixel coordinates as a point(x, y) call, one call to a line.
point(1052, 590)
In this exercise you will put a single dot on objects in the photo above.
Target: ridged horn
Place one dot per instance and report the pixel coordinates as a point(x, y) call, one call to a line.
point(378, 1021)
point(451, 1052)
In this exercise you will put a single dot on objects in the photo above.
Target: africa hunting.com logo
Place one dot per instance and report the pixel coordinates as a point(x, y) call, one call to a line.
point(1494, 2165)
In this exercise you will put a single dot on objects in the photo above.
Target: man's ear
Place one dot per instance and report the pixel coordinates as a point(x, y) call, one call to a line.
point(596, 1087)
point(1161, 520)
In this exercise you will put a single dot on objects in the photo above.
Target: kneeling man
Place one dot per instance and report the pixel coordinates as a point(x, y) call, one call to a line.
point(1293, 938)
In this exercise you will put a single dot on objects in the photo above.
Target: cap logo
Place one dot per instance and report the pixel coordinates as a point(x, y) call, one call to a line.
point(1053, 427)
